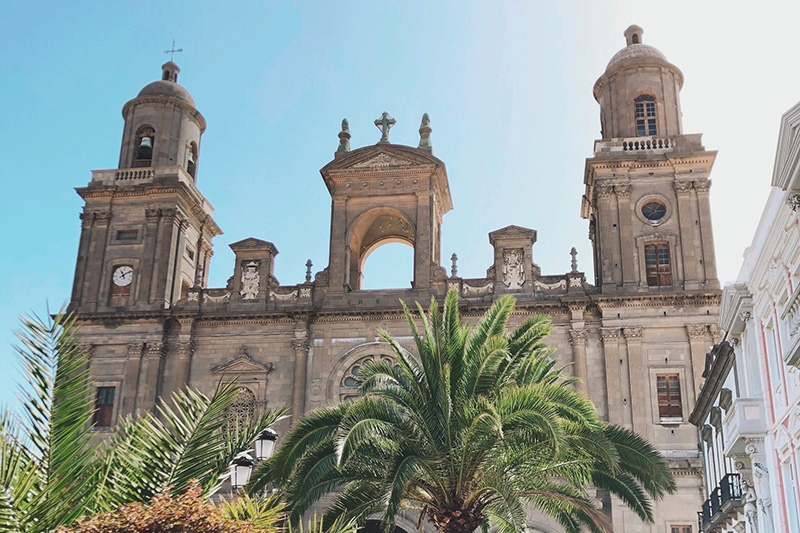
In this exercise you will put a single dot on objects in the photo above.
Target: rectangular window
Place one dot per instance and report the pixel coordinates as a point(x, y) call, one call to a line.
point(669, 397)
point(680, 529)
point(657, 264)
point(127, 235)
point(645, 111)
point(104, 406)
point(190, 254)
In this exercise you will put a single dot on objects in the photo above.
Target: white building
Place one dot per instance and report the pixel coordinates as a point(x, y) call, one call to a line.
point(748, 411)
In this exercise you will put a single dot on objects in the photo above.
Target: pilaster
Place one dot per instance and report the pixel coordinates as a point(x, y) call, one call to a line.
point(623, 191)
point(698, 346)
point(300, 344)
point(638, 392)
point(702, 187)
point(150, 241)
point(150, 376)
point(610, 337)
point(577, 339)
point(683, 191)
point(129, 394)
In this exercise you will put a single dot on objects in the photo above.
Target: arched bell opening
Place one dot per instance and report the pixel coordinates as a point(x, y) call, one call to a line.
point(391, 267)
point(369, 232)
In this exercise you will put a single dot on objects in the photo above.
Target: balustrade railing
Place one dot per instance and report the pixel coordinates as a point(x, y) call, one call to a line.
point(647, 144)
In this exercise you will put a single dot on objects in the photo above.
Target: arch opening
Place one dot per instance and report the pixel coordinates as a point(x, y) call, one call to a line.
point(390, 265)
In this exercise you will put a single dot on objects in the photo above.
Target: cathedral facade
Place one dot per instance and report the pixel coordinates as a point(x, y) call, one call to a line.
point(636, 335)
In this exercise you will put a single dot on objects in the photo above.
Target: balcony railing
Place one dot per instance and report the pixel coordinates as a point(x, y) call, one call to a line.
point(722, 499)
point(650, 144)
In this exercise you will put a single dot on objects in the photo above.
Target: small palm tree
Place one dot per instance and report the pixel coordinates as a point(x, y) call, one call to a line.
point(51, 473)
point(479, 425)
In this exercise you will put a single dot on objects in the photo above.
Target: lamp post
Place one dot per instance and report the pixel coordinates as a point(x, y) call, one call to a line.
point(243, 464)
point(241, 468)
point(265, 444)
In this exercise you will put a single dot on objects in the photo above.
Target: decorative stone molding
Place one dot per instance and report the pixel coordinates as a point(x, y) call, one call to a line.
point(744, 316)
point(301, 345)
point(102, 217)
point(697, 332)
point(383, 160)
point(251, 280)
point(185, 350)
point(605, 190)
point(682, 187)
point(793, 201)
point(633, 333)
point(623, 190)
point(477, 291)
point(702, 185)
point(223, 298)
point(288, 297)
point(155, 350)
point(577, 336)
point(152, 215)
point(541, 286)
point(135, 350)
point(513, 271)
point(305, 293)
point(609, 334)
point(87, 219)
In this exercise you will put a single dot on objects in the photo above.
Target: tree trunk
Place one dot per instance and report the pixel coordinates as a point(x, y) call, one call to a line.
point(455, 520)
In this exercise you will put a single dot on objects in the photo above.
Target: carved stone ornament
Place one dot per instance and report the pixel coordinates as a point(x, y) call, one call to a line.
point(288, 297)
point(542, 286)
point(633, 333)
point(697, 332)
point(609, 334)
point(577, 336)
point(513, 269)
point(702, 185)
point(305, 292)
point(623, 189)
point(478, 291)
point(155, 350)
point(193, 296)
point(793, 201)
point(576, 282)
point(222, 298)
point(383, 160)
point(135, 350)
point(682, 187)
point(744, 316)
point(605, 190)
point(250, 280)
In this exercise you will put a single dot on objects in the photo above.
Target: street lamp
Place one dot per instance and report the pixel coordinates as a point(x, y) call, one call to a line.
point(265, 444)
point(241, 468)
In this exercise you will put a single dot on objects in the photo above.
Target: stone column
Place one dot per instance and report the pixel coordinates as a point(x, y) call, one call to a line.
point(87, 219)
point(683, 191)
point(610, 338)
point(577, 339)
point(150, 243)
point(95, 260)
point(184, 352)
point(337, 259)
point(698, 345)
point(300, 345)
point(150, 376)
point(608, 237)
point(701, 187)
point(130, 386)
point(638, 378)
point(423, 239)
point(626, 234)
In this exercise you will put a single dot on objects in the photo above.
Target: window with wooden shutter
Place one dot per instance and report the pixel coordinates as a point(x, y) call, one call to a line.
point(669, 397)
point(657, 264)
point(680, 529)
point(645, 108)
point(104, 406)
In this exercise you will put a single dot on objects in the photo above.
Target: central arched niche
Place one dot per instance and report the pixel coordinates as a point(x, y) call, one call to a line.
point(372, 230)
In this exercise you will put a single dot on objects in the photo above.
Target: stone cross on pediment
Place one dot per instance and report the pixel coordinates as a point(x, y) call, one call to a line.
point(384, 124)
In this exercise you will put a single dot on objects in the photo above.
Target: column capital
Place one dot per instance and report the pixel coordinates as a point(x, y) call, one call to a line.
point(609, 334)
point(702, 185)
point(301, 345)
point(155, 350)
point(623, 190)
point(633, 333)
point(577, 336)
point(185, 350)
point(135, 350)
point(605, 190)
point(152, 215)
point(697, 332)
point(682, 188)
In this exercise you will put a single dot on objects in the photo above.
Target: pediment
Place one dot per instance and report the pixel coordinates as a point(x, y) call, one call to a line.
point(787, 159)
point(382, 157)
point(512, 232)
point(242, 364)
point(251, 243)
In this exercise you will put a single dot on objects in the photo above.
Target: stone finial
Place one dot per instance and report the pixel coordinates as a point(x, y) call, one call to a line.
point(574, 254)
point(384, 124)
point(309, 264)
point(454, 268)
point(344, 139)
point(425, 134)
point(633, 35)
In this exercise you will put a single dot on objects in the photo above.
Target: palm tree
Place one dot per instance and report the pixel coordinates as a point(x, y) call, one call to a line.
point(51, 472)
point(478, 425)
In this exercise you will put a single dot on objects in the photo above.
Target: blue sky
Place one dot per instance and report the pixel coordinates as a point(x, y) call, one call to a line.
point(508, 86)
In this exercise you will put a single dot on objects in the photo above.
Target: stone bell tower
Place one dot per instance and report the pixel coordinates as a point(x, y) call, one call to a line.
point(385, 193)
point(146, 228)
point(647, 184)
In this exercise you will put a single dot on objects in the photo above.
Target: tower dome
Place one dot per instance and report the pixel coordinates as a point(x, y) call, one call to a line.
point(639, 91)
point(168, 85)
point(162, 125)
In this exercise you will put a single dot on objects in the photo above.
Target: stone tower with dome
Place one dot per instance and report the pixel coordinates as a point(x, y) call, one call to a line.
point(636, 336)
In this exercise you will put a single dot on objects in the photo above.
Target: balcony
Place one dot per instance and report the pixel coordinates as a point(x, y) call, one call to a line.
point(648, 145)
point(791, 317)
point(745, 418)
point(723, 503)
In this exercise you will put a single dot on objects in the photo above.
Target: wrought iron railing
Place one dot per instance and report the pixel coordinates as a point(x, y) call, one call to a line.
point(731, 488)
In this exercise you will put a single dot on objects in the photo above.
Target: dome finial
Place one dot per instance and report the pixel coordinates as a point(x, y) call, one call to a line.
point(633, 35)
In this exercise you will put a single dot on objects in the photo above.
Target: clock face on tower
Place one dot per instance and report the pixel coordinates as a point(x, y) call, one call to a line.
point(123, 275)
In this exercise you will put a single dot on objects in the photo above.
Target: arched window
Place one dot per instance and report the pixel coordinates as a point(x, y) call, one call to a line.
point(242, 408)
point(635, 39)
point(349, 384)
point(645, 109)
point(191, 159)
point(657, 264)
point(143, 151)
